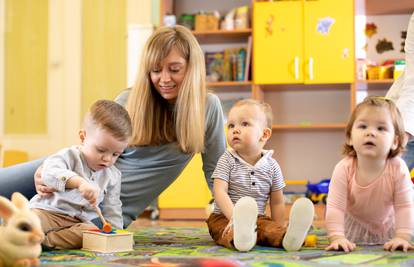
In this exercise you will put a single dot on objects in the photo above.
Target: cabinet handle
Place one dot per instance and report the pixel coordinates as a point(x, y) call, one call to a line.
point(310, 68)
point(297, 68)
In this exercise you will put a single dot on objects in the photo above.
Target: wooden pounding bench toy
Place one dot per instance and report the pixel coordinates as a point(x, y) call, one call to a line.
point(108, 239)
point(115, 241)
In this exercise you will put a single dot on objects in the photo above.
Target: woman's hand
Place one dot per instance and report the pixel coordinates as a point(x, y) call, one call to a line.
point(341, 242)
point(398, 243)
point(42, 189)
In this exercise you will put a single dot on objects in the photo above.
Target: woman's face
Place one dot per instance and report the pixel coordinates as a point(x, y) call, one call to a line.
point(167, 77)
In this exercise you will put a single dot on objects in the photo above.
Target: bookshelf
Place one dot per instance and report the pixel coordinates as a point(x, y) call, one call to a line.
point(218, 40)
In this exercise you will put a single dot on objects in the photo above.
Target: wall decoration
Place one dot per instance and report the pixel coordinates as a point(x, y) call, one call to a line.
point(403, 36)
point(380, 38)
point(384, 45)
point(370, 29)
point(324, 25)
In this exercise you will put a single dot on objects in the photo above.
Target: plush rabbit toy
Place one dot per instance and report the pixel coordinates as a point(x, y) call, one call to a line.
point(20, 235)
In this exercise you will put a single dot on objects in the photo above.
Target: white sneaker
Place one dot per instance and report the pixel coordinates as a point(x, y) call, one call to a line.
point(300, 220)
point(244, 224)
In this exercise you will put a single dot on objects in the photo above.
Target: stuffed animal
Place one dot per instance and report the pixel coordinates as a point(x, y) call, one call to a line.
point(21, 233)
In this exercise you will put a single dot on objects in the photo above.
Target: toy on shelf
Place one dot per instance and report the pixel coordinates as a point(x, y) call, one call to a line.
point(318, 192)
point(114, 241)
point(412, 175)
point(21, 235)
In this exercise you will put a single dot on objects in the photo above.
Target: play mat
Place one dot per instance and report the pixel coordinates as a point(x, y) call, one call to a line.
point(188, 246)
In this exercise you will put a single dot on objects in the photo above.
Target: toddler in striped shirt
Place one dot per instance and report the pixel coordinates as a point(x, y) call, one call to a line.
point(245, 178)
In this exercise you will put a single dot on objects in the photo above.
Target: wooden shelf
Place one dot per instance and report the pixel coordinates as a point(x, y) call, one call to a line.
point(327, 126)
point(386, 81)
point(387, 7)
point(228, 84)
point(241, 32)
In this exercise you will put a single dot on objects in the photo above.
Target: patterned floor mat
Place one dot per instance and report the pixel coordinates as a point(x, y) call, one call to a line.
point(187, 246)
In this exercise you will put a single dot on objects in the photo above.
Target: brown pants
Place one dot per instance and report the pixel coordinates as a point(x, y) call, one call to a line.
point(268, 232)
point(62, 231)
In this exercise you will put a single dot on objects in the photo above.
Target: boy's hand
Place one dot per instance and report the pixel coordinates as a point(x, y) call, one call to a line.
point(398, 243)
point(338, 243)
point(89, 192)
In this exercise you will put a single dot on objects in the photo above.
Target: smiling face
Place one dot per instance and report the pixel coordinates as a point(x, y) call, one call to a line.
point(168, 77)
point(246, 129)
point(373, 133)
point(100, 148)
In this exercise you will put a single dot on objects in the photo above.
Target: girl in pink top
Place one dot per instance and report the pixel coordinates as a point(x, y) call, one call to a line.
point(370, 197)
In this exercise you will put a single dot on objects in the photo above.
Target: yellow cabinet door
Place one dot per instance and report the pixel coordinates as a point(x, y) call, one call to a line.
point(329, 41)
point(277, 42)
point(189, 190)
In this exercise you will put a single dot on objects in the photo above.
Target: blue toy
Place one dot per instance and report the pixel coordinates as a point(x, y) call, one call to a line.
point(318, 192)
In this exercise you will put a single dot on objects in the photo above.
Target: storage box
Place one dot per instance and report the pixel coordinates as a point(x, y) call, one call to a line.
point(97, 241)
point(373, 72)
point(206, 23)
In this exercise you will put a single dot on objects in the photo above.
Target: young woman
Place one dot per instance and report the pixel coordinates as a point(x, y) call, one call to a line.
point(173, 117)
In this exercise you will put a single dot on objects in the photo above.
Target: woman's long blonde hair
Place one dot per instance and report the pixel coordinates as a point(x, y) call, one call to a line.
point(154, 121)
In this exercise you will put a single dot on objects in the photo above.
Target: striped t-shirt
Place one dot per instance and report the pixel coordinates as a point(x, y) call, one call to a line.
point(243, 179)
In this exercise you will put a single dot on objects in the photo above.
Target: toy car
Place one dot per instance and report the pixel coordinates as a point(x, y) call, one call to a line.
point(318, 192)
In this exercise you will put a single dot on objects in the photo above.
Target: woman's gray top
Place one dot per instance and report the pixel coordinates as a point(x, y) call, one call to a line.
point(148, 170)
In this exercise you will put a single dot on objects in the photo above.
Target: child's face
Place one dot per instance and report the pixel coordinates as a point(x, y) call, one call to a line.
point(100, 148)
point(373, 133)
point(246, 129)
point(167, 77)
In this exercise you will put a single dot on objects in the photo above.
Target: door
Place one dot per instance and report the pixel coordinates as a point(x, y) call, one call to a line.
point(329, 41)
point(277, 42)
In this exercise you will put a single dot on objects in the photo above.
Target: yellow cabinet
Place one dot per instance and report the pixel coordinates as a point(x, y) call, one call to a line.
point(188, 196)
point(303, 42)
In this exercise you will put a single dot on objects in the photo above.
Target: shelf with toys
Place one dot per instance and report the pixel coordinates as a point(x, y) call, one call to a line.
point(223, 30)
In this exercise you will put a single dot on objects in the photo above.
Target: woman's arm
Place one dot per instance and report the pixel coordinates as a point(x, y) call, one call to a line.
point(19, 178)
point(215, 141)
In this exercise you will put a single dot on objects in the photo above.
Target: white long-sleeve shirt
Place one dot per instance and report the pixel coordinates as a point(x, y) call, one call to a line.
point(67, 163)
point(402, 91)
